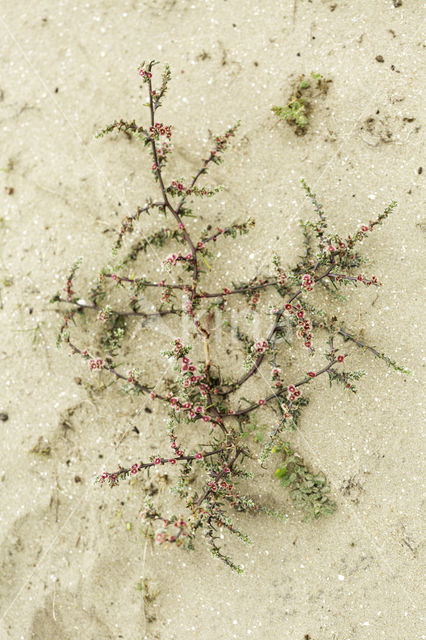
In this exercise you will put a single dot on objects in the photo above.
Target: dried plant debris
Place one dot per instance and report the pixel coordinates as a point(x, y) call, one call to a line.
point(384, 127)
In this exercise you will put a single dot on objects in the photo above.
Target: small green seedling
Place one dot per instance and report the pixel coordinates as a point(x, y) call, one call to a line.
point(309, 491)
point(299, 106)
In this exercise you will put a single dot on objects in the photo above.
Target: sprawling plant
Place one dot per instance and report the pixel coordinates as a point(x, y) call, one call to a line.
point(214, 431)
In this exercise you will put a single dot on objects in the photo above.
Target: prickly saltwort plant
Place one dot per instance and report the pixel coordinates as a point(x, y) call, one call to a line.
point(230, 440)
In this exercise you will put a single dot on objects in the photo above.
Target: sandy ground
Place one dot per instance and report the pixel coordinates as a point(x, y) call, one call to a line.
point(72, 554)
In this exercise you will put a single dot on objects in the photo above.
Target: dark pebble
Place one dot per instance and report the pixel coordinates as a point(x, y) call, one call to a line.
point(4, 416)
point(380, 59)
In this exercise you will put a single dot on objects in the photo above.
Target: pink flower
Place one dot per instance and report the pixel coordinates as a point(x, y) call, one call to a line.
point(285, 410)
point(96, 364)
point(261, 401)
point(199, 456)
point(312, 374)
point(157, 460)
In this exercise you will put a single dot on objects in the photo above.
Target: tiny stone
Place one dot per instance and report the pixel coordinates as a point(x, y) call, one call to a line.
point(4, 416)
point(77, 479)
point(380, 58)
point(77, 380)
point(420, 171)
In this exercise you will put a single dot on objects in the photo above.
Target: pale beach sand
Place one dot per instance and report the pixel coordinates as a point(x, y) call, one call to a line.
point(71, 552)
